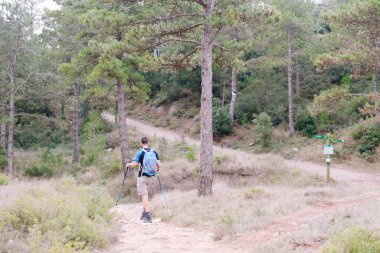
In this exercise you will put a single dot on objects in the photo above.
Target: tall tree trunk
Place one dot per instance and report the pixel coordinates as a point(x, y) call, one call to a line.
point(290, 86)
point(116, 111)
point(75, 126)
point(3, 133)
point(233, 94)
point(206, 152)
point(298, 70)
point(375, 78)
point(376, 93)
point(11, 131)
point(125, 156)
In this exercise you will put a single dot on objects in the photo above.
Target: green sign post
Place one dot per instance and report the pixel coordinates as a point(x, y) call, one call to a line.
point(328, 150)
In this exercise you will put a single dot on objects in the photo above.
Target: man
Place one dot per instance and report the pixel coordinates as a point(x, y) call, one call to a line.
point(149, 163)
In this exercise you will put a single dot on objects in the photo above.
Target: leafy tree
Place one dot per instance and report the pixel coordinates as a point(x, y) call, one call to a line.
point(183, 28)
point(263, 130)
point(357, 33)
point(18, 53)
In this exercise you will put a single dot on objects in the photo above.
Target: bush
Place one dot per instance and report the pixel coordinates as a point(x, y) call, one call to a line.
point(333, 108)
point(263, 130)
point(191, 154)
point(305, 125)
point(221, 122)
point(39, 170)
point(171, 92)
point(47, 165)
point(246, 107)
point(43, 131)
point(368, 136)
point(3, 179)
point(67, 218)
point(3, 159)
point(111, 169)
point(94, 125)
point(354, 240)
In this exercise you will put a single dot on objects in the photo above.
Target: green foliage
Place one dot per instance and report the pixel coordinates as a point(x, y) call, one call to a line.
point(170, 93)
point(263, 130)
point(47, 165)
point(94, 125)
point(368, 137)
point(305, 125)
point(328, 101)
point(66, 218)
point(221, 122)
point(191, 154)
point(39, 170)
point(3, 179)
point(110, 169)
point(49, 134)
point(3, 159)
point(354, 240)
point(246, 107)
point(334, 108)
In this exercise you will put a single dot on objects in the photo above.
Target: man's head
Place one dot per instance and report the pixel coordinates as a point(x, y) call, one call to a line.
point(144, 141)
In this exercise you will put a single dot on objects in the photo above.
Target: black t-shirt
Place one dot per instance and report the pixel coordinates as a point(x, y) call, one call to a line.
point(139, 158)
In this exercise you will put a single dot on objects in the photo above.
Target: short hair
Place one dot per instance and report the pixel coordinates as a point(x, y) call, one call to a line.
point(144, 140)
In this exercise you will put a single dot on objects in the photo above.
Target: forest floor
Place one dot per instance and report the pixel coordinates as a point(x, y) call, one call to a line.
point(136, 236)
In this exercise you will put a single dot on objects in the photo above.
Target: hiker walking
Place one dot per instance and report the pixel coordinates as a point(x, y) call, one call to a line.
point(149, 163)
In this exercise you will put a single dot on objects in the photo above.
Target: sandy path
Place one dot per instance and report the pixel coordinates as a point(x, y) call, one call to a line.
point(136, 236)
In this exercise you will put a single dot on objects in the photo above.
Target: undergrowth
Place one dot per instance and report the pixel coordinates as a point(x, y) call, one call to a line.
point(354, 240)
point(67, 218)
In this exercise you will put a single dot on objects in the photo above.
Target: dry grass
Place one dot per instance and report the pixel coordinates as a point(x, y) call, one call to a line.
point(234, 210)
point(16, 188)
point(315, 235)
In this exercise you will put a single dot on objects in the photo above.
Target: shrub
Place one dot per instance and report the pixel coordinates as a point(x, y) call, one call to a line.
point(333, 108)
point(3, 179)
point(3, 159)
point(67, 218)
point(47, 165)
point(368, 136)
point(111, 169)
point(246, 107)
point(305, 124)
point(221, 122)
point(39, 170)
point(94, 125)
point(191, 154)
point(263, 130)
point(354, 240)
point(171, 92)
point(48, 135)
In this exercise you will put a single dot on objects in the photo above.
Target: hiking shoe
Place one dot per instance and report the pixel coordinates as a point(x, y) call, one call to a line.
point(147, 218)
point(143, 215)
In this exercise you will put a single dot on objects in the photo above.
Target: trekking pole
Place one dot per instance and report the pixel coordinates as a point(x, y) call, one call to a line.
point(121, 187)
point(163, 194)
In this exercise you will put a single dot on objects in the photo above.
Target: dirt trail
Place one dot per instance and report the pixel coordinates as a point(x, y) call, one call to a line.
point(136, 236)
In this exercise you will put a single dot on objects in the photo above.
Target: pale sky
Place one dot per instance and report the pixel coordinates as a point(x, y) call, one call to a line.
point(50, 4)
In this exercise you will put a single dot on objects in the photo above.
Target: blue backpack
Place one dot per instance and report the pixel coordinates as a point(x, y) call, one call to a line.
point(149, 162)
